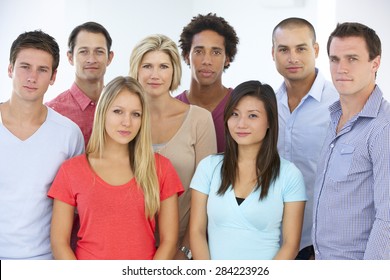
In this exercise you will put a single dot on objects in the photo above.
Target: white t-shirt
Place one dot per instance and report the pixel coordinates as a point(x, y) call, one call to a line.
point(27, 169)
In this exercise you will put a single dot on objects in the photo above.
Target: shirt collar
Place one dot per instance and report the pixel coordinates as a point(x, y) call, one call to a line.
point(315, 90)
point(317, 87)
point(370, 109)
point(81, 98)
point(373, 104)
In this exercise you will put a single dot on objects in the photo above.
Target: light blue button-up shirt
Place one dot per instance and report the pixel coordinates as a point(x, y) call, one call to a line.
point(351, 196)
point(301, 135)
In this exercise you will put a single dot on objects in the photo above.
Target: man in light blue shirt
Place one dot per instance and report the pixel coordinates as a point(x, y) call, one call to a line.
point(351, 198)
point(303, 101)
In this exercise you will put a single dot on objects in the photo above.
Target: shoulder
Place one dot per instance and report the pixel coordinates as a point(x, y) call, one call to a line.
point(58, 120)
point(211, 161)
point(182, 97)
point(287, 168)
point(59, 99)
point(199, 113)
point(385, 110)
point(75, 162)
point(160, 159)
point(329, 92)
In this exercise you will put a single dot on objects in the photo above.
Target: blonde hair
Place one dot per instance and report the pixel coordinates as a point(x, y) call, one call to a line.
point(141, 156)
point(157, 42)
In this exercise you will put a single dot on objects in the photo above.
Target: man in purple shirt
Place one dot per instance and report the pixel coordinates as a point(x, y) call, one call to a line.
point(351, 218)
point(90, 52)
point(209, 45)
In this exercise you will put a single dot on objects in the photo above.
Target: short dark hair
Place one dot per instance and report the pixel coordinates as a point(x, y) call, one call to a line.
point(209, 22)
point(295, 22)
point(355, 29)
point(92, 27)
point(36, 40)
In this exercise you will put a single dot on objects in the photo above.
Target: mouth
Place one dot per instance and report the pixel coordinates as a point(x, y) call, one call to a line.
point(30, 88)
point(206, 73)
point(242, 134)
point(342, 79)
point(124, 132)
point(293, 68)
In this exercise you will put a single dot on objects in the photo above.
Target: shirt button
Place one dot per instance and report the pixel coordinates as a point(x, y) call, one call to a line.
point(332, 145)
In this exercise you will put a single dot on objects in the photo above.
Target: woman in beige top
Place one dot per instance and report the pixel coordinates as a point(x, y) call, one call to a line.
point(183, 133)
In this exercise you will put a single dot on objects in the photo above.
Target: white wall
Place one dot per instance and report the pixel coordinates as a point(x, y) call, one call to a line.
point(130, 21)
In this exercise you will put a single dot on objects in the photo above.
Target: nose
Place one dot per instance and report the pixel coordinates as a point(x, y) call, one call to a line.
point(32, 78)
point(154, 73)
point(91, 58)
point(293, 59)
point(126, 120)
point(241, 122)
point(206, 58)
point(341, 68)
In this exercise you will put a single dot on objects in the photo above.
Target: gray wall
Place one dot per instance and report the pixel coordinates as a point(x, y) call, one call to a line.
point(130, 21)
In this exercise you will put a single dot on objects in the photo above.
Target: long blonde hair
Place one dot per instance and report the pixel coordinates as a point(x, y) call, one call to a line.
point(141, 156)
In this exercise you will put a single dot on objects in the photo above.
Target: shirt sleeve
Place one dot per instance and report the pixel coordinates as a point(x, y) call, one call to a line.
point(294, 189)
point(61, 189)
point(378, 245)
point(206, 139)
point(169, 181)
point(202, 179)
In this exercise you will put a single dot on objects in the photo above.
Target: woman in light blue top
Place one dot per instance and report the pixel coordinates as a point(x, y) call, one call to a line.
point(245, 200)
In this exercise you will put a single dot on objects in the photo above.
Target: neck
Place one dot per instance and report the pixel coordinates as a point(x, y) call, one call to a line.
point(297, 89)
point(92, 89)
point(25, 112)
point(353, 104)
point(206, 96)
point(115, 151)
point(160, 105)
point(248, 153)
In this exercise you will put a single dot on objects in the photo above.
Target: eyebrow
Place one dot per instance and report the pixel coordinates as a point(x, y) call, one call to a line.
point(39, 66)
point(296, 46)
point(94, 48)
point(213, 48)
point(250, 111)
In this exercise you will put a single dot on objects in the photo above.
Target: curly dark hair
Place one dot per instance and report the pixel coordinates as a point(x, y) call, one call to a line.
point(209, 22)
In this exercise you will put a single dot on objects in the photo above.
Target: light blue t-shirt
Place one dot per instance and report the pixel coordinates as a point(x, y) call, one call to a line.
point(27, 169)
point(251, 230)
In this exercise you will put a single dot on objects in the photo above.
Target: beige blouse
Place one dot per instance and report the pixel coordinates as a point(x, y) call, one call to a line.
point(193, 141)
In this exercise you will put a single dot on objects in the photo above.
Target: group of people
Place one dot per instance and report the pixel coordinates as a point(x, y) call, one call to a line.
point(126, 170)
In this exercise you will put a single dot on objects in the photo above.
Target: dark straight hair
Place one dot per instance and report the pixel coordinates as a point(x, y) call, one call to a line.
point(268, 160)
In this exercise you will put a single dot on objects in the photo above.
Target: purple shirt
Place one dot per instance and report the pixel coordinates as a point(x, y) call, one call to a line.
point(77, 106)
point(217, 115)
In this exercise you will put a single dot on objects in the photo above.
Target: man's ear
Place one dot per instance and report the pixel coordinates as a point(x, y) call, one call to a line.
point(110, 57)
point(316, 47)
point(53, 77)
point(10, 70)
point(187, 59)
point(70, 57)
point(227, 61)
point(376, 62)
